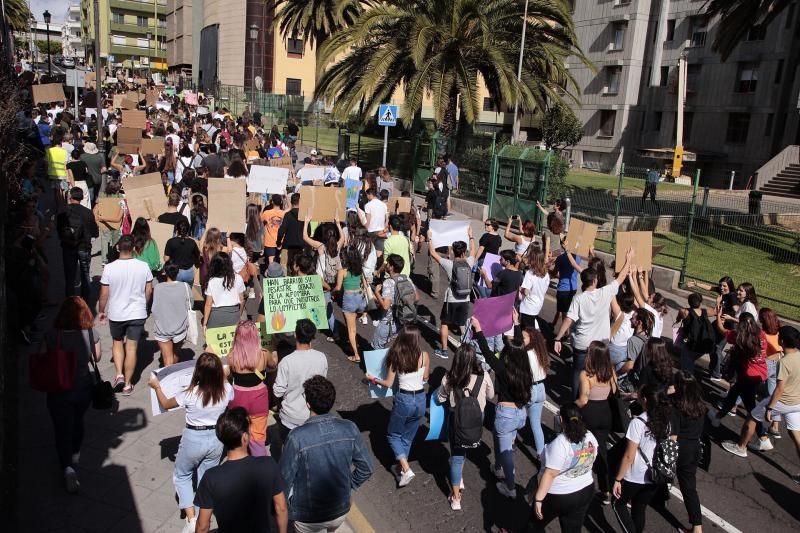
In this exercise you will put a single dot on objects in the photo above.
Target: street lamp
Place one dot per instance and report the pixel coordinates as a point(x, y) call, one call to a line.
point(516, 125)
point(149, 58)
point(254, 38)
point(46, 16)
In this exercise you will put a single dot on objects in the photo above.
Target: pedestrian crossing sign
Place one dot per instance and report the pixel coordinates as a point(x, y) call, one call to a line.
point(387, 115)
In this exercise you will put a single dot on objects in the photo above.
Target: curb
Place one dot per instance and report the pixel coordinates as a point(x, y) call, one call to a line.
point(357, 522)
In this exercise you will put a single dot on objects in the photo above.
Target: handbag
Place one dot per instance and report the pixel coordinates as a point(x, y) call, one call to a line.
point(102, 391)
point(620, 415)
point(53, 370)
point(193, 331)
point(369, 294)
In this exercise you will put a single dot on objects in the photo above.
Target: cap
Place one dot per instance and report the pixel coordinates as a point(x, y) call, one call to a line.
point(90, 148)
point(313, 152)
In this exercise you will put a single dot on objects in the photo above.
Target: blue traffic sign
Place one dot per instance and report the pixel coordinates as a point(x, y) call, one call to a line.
point(387, 115)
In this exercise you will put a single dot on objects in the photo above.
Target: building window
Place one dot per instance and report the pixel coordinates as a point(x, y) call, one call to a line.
point(607, 119)
point(779, 71)
point(670, 30)
point(768, 125)
point(488, 104)
point(613, 77)
point(664, 76)
point(119, 40)
point(162, 22)
point(697, 31)
point(747, 78)
point(143, 43)
point(692, 78)
point(294, 46)
point(657, 116)
point(757, 33)
point(141, 21)
point(117, 18)
point(738, 124)
point(293, 87)
point(618, 29)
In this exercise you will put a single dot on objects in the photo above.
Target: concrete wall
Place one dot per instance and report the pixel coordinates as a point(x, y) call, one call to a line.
point(230, 15)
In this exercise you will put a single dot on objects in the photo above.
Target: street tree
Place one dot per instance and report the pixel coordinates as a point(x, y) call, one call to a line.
point(561, 128)
point(55, 47)
point(18, 15)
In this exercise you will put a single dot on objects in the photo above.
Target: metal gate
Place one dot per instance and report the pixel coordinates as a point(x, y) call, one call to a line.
point(518, 180)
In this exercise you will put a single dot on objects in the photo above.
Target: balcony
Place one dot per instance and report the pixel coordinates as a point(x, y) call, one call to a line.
point(140, 7)
point(137, 51)
point(133, 28)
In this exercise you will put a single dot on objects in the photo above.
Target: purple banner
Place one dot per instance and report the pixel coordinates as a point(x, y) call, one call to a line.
point(494, 313)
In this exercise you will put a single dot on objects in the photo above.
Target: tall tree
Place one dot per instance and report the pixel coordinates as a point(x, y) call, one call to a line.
point(18, 15)
point(737, 18)
point(561, 128)
point(442, 49)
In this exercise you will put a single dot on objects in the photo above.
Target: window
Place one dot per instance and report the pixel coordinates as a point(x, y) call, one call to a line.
point(697, 31)
point(293, 87)
point(618, 29)
point(294, 46)
point(119, 40)
point(738, 124)
point(162, 22)
point(657, 116)
point(613, 77)
point(747, 78)
point(488, 105)
point(670, 30)
point(607, 119)
point(143, 43)
point(768, 125)
point(779, 71)
point(692, 78)
point(756, 32)
point(117, 18)
point(141, 21)
point(664, 76)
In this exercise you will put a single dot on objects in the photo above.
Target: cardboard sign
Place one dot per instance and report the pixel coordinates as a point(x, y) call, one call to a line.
point(140, 81)
point(117, 103)
point(287, 300)
point(399, 205)
point(283, 162)
point(128, 140)
point(48, 92)
point(109, 208)
point(152, 146)
point(134, 96)
point(151, 97)
point(267, 180)
point(353, 187)
point(145, 196)
point(220, 340)
point(323, 204)
point(308, 173)
point(190, 98)
point(251, 145)
point(446, 232)
point(173, 379)
point(580, 237)
point(128, 104)
point(134, 119)
point(161, 233)
point(642, 244)
point(226, 204)
point(163, 105)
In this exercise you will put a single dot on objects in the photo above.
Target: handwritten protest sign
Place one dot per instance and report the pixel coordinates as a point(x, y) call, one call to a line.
point(145, 195)
point(173, 379)
point(282, 162)
point(269, 180)
point(226, 204)
point(267, 340)
point(48, 92)
point(287, 300)
point(190, 98)
point(310, 173)
point(353, 187)
point(446, 232)
point(163, 105)
point(642, 244)
point(322, 204)
point(494, 313)
point(220, 340)
point(374, 362)
point(399, 205)
point(580, 237)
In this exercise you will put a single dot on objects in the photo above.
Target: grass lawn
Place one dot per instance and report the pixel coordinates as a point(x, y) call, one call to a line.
point(581, 178)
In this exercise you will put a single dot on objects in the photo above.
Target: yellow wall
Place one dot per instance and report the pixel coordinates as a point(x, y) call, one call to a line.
point(292, 67)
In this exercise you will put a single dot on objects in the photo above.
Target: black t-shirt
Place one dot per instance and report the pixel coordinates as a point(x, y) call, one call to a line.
point(172, 218)
point(240, 493)
point(79, 170)
point(293, 129)
point(506, 281)
point(685, 427)
point(215, 166)
point(184, 252)
point(491, 244)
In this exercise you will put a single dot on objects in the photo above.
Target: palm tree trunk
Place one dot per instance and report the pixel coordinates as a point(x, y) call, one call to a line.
point(447, 128)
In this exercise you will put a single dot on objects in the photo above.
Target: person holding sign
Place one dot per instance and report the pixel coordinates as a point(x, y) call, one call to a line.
point(523, 239)
point(224, 293)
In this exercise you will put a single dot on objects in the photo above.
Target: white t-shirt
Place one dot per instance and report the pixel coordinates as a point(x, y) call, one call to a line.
point(589, 312)
point(747, 307)
point(238, 258)
point(536, 369)
point(624, 332)
point(537, 288)
point(176, 141)
point(352, 173)
point(377, 211)
point(638, 433)
point(658, 321)
point(447, 265)
point(223, 297)
point(196, 414)
point(126, 280)
point(573, 461)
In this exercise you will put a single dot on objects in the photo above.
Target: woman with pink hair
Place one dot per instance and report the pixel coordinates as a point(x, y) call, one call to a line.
point(248, 361)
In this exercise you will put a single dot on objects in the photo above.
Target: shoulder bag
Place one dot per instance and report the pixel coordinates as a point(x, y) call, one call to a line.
point(54, 370)
point(102, 391)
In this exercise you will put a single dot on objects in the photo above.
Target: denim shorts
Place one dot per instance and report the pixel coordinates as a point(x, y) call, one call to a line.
point(353, 302)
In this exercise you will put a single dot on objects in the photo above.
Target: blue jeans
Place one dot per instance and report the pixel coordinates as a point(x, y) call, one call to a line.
point(507, 421)
point(353, 302)
point(75, 260)
point(772, 376)
point(619, 354)
point(534, 409)
point(578, 363)
point(199, 450)
point(186, 275)
point(404, 421)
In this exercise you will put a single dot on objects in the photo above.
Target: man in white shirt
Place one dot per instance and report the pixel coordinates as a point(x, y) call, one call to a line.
point(377, 218)
point(353, 172)
point(125, 288)
point(589, 311)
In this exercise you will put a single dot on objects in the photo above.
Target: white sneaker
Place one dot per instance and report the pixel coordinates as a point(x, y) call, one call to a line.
point(498, 472)
point(71, 480)
point(733, 447)
point(406, 477)
point(364, 319)
point(455, 505)
point(713, 419)
point(502, 489)
point(190, 526)
point(461, 485)
point(761, 445)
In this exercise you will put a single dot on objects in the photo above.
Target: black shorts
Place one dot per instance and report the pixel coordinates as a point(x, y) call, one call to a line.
point(377, 240)
point(564, 300)
point(454, 314)
point(269, 251)
point(129, 329)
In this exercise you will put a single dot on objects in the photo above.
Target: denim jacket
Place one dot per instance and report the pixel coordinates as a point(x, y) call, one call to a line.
point(322, 462)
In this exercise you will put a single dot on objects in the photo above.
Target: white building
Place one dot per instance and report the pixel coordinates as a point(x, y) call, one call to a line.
point(71, 40)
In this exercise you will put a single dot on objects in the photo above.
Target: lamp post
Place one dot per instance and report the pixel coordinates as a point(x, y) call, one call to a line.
point(516, 125)
point(254, 38)
point(46, 16)
point(149, 57)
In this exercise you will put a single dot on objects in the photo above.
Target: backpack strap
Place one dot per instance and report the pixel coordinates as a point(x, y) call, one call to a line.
point(473, 393)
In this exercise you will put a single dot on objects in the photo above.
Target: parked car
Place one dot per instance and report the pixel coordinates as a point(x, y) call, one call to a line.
point(68, 62)
point(57, 60)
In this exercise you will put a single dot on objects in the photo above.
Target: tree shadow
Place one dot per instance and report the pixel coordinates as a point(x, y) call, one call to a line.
point(785, 497)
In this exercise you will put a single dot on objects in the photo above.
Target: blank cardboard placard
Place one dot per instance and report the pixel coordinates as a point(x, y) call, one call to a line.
point(161, 233)
point(226, 204)
point(152, 97)
point(270, 180)
point(128, 104)
point(48, 92)
point(446, 232)
point(152, 146)
point(642, 244)
point(118, 99)
point(110, 208)
point(251, 145)
point(145, 196)
point(132, 118)
point(580, 237)
point(128, 140)
point(399, 205)
point(134, 96)
point(323, 204)
point(283, 162)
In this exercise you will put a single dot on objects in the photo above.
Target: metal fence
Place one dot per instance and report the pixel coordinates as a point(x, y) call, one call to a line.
point(705, 234)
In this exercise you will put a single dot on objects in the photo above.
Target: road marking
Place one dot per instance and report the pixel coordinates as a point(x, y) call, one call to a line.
point(357, 521)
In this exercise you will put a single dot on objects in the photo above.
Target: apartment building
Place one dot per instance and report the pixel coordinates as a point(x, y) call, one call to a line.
point(131, 33)
point(71, 39)
point(737, 113)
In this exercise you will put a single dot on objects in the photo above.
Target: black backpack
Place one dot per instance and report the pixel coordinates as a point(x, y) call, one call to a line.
point(467, 416)
point(697, 333)
point(663, 467)
point(461, 279)
point(440, 203)
point(70, 228)
point(404, 305)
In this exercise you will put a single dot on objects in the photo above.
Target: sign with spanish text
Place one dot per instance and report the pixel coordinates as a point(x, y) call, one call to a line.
point(289, 299)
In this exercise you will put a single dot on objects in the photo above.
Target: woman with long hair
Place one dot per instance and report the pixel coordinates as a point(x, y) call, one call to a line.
point(212, 245)
point(539, 359)
point(633, 485)
point(183, 251)
point(248, 362)
point(689, 412)
point(224, 294)
point(727, 304)
point(655, 302)
point(552, 234)
point(172, 300)
point(72, 332)
point(514, 379)
point(254, 232)
point(206, 397)
point(622, 309)
point(329, 263)
point(566, 488)
point(167, 164)
point(523, 239)
point(236, 170)
point(199, 216)
point(144, 247)
point(385, 181)
point(410, 364)
point(654, 366)
point(597, 381)
point(361, 240)
point(349, 282)
point(463, 376)
point(534, 287)
point(771, 325)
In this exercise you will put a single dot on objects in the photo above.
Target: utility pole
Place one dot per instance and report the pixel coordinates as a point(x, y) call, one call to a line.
point(515, 134)
point(98, 70)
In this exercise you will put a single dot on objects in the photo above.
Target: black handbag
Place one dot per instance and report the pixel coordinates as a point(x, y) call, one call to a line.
point(102, 391)
point(620, 414)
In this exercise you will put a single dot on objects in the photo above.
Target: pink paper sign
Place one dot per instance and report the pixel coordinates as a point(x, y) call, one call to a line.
point(491, 265)
point(494, 313)
point(190, 97)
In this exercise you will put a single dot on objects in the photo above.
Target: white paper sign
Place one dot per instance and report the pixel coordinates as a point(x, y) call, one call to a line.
point(310, 173)
point(164, 106)
point(173, 380)
point(91, 112)
point(202, 110)
point(270, 180)
point(446, 232)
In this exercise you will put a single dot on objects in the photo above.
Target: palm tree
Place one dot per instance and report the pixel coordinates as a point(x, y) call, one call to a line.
point(738, 17)
point(18, 15)
point(441, 48)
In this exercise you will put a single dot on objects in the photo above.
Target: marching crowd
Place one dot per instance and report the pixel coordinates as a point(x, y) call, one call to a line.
point(613, 330)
